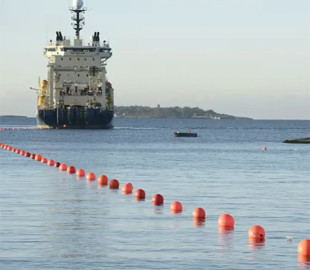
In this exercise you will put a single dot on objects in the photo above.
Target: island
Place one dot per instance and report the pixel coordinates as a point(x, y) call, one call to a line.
point(170, 112)
point(300, 140)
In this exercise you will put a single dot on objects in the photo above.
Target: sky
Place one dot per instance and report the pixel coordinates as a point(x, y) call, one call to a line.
point(241, 57)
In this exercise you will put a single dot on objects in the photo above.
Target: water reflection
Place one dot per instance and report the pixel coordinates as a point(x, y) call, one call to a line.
point(225, 238)
point(255, 244)
point(304, 261)
point(158, 210)
point(199, 222)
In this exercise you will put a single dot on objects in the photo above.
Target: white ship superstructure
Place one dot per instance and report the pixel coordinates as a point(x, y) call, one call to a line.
point(76, 93)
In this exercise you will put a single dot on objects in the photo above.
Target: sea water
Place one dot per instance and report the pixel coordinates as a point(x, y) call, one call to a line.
point(51, 220)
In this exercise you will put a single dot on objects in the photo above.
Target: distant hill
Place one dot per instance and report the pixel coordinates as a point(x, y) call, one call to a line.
point(17, 120)
point(169, 112)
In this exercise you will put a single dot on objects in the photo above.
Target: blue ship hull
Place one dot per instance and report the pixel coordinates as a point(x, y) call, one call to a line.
point(76, 118)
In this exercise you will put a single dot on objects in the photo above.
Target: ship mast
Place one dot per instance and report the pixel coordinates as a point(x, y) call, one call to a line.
point(77, 10)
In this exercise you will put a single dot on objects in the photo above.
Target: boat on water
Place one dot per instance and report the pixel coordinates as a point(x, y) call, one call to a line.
point(76, 93)
point(185, 134)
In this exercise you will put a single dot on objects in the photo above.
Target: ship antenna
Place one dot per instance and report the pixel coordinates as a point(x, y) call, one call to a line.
point(77, 10)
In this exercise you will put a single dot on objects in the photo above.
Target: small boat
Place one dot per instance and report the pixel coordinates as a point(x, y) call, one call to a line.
point(185, 134)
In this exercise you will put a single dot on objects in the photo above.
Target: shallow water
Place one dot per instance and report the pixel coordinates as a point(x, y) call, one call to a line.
point(50, 220)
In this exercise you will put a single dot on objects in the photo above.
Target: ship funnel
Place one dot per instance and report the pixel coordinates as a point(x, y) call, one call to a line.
point(77, 4)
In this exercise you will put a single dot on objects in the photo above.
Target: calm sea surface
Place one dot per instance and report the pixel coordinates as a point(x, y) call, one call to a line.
point(51, 220)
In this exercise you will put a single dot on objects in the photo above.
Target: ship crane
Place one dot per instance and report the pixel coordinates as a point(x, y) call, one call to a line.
point(34, 89)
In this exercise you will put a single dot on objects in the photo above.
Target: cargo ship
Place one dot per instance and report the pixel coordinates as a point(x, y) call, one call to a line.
point(76, 93)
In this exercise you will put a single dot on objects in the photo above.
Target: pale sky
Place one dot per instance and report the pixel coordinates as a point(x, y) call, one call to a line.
point(241, 57)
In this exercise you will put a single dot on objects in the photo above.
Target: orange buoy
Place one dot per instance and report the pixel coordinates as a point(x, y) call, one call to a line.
point(226, 220)
point(62, 167)
point(64, 125)
point(176, 207)
point(71, 169)
point(304, 248)
point(80, 173)
point(140, 194)
point(114, 184)
point(50, 162)
point(199, 213)
point(44, 160)
point(57, 164)
point(102, 180)
point(38, 157)
point(127, 188)
point(130, 185)
point(22, 152)
point(257, 232)
point(304, 258)
point(158, 200)
point(33, 156)
point(91, 177)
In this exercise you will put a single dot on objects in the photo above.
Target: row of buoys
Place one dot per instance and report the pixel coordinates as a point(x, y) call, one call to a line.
point(226, 222)
point(24, 128)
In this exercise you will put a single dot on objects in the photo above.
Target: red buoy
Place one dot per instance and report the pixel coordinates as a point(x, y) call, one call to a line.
point(50, 162)
point(226, 220)
point(33, 156)
point(158, 200)
point(44, 160)
point(127, 188)
point(80, 173)
point(304, 248)
point(102, 180)
point(257, 232)
point(62, 167)
point(22, 152)
point(140, 194)
point(199, 213)
point(176, 207)
point(91, 177)
point(114, 184)
point(17, 151)
point(27, 154)
point(57, 164)
point(130, 185)
point(71, 169)
point(38, 157)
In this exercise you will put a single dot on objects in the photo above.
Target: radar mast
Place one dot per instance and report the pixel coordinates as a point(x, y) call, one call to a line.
point(77, 10)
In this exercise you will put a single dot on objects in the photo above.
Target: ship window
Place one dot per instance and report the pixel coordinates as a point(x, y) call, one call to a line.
point(70, 58)
point(78, 59)
point(62, 59)
point(78, 75)
point(84, 59)
point(86, 75)
point(93, 59)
